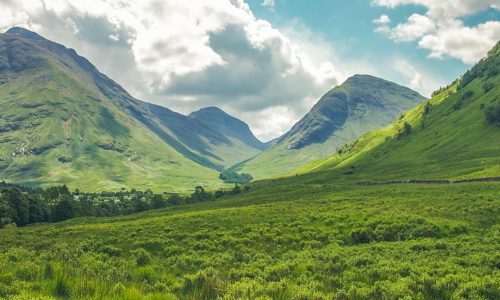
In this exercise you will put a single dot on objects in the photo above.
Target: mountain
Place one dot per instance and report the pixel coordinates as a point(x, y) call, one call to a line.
point(62, 121)
point(455, 135)
point(362, 103)
point(209, 136)
point(245, 144)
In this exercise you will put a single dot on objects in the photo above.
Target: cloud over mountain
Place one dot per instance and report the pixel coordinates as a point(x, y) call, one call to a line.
point(184, 54)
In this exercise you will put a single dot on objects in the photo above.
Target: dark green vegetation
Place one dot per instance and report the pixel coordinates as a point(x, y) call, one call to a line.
point(360, 104)
point(233, 177)
point(64, 122)
point(312, 241)
point(20, 206)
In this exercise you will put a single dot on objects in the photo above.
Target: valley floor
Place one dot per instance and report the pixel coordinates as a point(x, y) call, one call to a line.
point(281, 240)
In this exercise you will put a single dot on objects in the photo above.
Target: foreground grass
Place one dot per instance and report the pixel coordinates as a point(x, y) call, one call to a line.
point(311, 241)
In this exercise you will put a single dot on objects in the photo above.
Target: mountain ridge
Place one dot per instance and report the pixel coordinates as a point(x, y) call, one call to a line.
point(454, 135)
point(362, 103)
point(64, 121)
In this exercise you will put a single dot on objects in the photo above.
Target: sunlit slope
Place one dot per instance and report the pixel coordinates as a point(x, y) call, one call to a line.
point(456, 135)
point(360, 104)
point(63, 122)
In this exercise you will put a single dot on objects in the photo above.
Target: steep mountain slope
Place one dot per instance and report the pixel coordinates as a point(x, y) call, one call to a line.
point(360, 104)
point(62, 121)
point(455, 135)
point(244, 143)
point(210, 136)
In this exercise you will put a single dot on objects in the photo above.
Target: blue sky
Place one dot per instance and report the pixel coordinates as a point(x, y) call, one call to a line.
point(265, 64)
point(348, 26)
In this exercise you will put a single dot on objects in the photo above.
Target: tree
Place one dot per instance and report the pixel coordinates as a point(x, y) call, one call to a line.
point(20, 205)
point(200, 194)
point(405, 131)
point(6, 212)
point(493, 114)
point(64, 209)
point(158, 201)
point(236, 189)
point(139, 204)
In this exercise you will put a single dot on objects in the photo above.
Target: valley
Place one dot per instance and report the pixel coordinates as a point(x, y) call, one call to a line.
point(375, 193)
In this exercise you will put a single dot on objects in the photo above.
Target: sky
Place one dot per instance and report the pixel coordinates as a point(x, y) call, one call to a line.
point(266, 62)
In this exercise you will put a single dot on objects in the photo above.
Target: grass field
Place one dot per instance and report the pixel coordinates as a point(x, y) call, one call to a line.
point(312, 241)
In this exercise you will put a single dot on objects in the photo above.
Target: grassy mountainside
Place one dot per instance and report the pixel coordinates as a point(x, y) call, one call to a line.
point(64, 122)
point(286, 239)
point(244, 144)
point(455, 135)
point(360, 104)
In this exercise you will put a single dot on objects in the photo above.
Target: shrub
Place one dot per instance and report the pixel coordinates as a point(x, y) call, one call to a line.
point(142, 257)
point(493, 114)
point(467, 94)
point(488, 86)
point(362, 236)
point(405, 131)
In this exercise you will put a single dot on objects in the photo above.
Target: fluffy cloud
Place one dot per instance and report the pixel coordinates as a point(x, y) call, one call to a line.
point(383, 20)
point(416, 27)
point(268, 3)
point(441, 30)
point(187, 54)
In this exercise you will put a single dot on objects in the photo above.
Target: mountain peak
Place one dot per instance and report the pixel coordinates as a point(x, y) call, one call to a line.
point(360, 97)
point(23, 32)
point(231, 126)
point(209, 110)
point(364, 78)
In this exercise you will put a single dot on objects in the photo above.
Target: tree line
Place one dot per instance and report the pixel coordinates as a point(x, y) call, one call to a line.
point(20, 206)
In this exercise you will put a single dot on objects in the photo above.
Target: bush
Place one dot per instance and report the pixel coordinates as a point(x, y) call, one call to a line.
point(488, 86)
point(493, 114)
point(405, 131)
point(467, 94)
point(233, 177)
point(142, 257)
point(362, 236)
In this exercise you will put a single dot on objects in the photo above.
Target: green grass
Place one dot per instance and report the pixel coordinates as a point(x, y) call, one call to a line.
point(312, 241)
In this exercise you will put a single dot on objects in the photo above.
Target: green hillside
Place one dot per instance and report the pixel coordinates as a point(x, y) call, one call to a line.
point(287, 239)
point(64, 122)
point(454, 135)
point(360, 104)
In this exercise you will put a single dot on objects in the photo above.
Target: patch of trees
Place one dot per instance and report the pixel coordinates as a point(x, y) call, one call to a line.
point(405, 131)
point(233, 177)
point(487, 68)
point(346, 148)
point(20, 206)
point(442, 89)
point(493, 114)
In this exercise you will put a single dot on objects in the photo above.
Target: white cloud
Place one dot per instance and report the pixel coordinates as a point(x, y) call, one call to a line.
point(383, 20)
point(186, 54)
point(468, 44)
point(416, 27)
point(268, 3)
point(441, 30)
point(275, 121)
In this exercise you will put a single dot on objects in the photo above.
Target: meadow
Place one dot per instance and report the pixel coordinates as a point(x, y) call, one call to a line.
point(281, 239)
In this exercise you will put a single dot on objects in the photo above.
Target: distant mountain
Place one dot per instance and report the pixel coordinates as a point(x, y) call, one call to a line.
point(62, 121)
point(209, 136)
point(362, 103)
point(223, 123)
point(455, 135)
